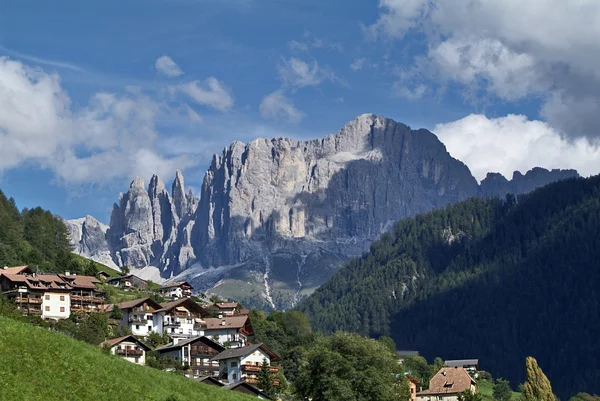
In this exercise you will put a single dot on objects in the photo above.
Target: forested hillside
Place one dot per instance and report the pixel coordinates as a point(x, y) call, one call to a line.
point(38, 238)
point(491, 279)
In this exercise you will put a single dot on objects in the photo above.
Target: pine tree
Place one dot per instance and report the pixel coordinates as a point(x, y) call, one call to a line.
point(265, 382)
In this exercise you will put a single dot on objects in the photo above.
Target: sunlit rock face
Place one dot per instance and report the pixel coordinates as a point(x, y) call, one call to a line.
point(277, 217)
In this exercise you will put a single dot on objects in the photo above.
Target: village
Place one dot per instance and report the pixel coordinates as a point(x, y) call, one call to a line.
point(210, 340)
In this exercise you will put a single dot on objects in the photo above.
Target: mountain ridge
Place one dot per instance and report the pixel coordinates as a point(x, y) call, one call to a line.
point(277, 217)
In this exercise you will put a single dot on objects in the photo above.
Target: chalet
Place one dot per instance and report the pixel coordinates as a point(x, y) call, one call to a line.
point(414, 386)
point(182, 318)
point(195, 352)
point(129, 348)
point(243, 387)
point(226, 308)
point(472, 365)
point(102, 275)
point(128, 281)
point(231, 331)
point(447, 384)
point(177, 290)
point(85, 294)
point(138, 315)
point(44, 295)
point(244, 364)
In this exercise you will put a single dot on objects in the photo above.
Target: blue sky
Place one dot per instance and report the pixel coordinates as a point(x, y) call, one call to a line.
point(93, 93)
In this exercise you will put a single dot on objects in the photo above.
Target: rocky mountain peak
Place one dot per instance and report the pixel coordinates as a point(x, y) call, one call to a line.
point(276, 217)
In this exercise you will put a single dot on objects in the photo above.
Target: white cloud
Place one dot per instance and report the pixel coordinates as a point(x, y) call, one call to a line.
point(511, 49)
point(297, 73)
point(309, 40)
point(411, 94)
point(166, 66)
point(113, 136)
point(512, 143)
point(358, 64)
point(276, 106)
point(192, 114)
point(211, 93)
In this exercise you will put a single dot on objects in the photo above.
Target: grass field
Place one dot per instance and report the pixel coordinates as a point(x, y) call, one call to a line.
point(486, 388)
point(100, 266)
point(37, 364)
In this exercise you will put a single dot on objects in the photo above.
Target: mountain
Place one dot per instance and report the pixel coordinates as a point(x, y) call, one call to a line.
point(277, 217)
point(491, 279)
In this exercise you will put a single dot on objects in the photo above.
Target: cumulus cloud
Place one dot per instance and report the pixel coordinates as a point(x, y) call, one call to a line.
point(510, 49)
point(297, 73)
point(112, 136)
point(211, 93)
point(514, 142)
point(166, 66)
point(276, 106)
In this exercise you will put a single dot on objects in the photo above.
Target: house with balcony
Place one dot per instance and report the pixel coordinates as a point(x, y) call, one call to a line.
point(138, 315)
point(195, 352)
point(225, 308)
point(244, 364)
point(182, 318)
point(44, 295)
point(231, 331)
point(127, 282)
point(448, 384)
point(128, 347)
point(86, 296)
point(176, 290)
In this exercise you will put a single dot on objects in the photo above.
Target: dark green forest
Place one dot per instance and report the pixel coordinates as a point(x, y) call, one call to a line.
point(37, 238)
point(494, 279)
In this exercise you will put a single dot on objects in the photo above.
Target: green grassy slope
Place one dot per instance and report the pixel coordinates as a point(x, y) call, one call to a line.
point(37, 364)
point(99, 266)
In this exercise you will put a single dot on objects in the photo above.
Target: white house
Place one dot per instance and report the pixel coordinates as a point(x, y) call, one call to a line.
point(231, 331)
point(138, 315)
point(129, 348)
point(244, 363)
point(195, 352)
point(44, 295)
point(182, 318)
point(447, 384)
point(177, 290)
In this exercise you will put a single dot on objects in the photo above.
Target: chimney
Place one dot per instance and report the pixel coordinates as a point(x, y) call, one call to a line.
point(223, 323)
point(444, 373)
point(5, 267)
point(67, 273)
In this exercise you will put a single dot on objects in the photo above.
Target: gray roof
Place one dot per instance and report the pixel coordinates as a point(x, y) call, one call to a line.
point(407, 353)
point(171, 347)
point(461, 362)
point(233, 386)
point(236, 352)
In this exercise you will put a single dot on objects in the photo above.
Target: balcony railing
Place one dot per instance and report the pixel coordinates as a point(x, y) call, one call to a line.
point(254, 368)
point(34, 312)
point(90, 299)
point(29, 300)
point(130, 352)
point(138, 320)
point(175, 324)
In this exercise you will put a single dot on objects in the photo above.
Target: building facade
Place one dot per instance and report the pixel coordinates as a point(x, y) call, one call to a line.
point(138, 315)
point(244, 364)
point(230, 331)
point(176, 290)
point(182, 318)
point(129, 348)
point(447, 384)
point(195, 352)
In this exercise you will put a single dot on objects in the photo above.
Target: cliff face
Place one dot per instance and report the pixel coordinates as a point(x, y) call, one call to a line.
point(276, 217)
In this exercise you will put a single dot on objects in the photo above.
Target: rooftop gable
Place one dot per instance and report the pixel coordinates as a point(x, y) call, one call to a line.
point(203, 339)
point(449, 381)
point(184, 302)
point(140, 301)
point(243, 352)
point(116, 341)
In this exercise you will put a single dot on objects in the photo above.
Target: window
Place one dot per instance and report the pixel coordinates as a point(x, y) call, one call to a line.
point(234, 364)
point(62, 308)
point(47, 309)
point(137, 326)
point(149, 328)
point(137, 359)
point(47, 297)
point(234, 376)
point(62, 297)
